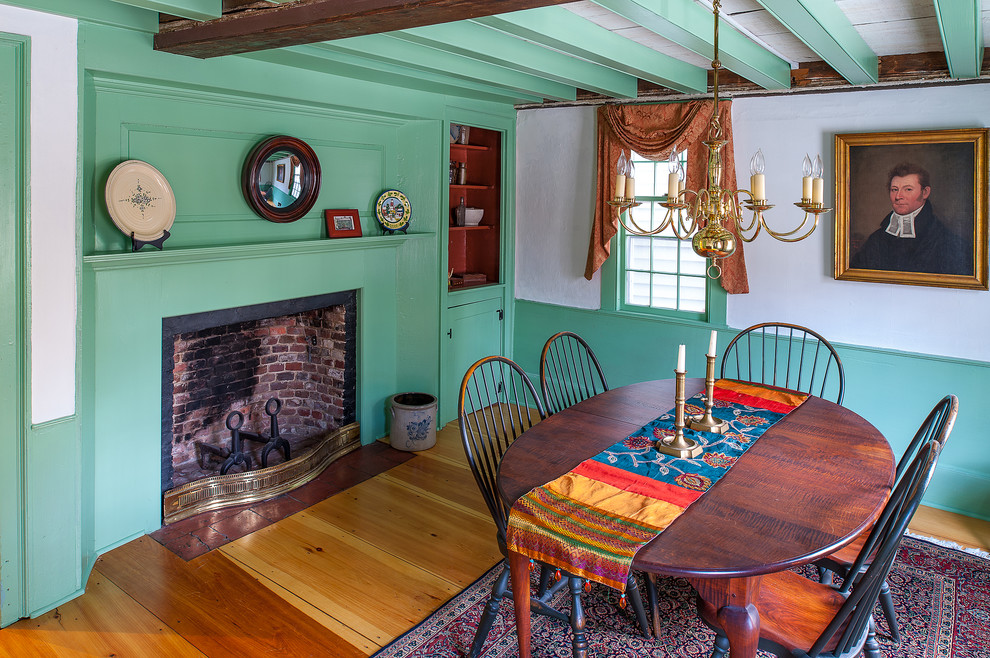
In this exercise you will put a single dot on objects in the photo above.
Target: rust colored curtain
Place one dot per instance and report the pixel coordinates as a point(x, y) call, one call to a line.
point(652, 131)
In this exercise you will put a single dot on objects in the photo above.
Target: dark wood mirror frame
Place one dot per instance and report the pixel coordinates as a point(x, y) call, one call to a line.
point(310, 178)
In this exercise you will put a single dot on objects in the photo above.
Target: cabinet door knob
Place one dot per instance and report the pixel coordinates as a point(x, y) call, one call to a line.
point(450, 333)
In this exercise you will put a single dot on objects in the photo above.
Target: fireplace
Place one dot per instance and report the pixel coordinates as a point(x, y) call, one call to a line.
point(300, 352)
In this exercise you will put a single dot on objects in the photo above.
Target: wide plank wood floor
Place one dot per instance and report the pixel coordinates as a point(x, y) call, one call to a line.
point(341, 578)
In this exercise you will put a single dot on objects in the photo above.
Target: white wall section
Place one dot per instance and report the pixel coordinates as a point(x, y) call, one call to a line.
point(788, 282)
point(52, 208)
point(555, 198)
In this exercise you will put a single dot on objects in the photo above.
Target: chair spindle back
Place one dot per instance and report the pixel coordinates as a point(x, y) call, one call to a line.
point(497, 403)
point(569, 371)
point(786, 355)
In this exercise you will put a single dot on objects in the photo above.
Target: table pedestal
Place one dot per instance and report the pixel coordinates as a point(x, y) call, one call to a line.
point(731, 599)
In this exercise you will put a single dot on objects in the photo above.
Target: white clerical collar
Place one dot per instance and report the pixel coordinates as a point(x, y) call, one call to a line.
point(902, 226)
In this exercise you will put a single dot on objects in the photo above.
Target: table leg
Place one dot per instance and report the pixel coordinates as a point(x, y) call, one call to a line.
point(731, 601)
point(519, 572)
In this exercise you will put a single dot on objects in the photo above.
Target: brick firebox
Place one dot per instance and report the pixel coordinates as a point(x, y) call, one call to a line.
point(301, 351)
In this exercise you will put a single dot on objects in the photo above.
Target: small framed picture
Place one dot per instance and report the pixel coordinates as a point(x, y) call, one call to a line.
point(343, 223)
point(280, 173)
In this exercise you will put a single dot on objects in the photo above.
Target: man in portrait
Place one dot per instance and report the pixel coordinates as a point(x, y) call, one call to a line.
point(912, 238)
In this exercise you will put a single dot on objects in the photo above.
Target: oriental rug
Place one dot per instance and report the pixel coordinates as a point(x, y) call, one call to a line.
point(942, 599)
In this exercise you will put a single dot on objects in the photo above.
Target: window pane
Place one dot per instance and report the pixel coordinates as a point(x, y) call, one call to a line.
point(637, 253)
point(644, 178)
point(638, 288)
point(664, 291)
point(661, 271)
point(692, 263)
point(692, 294)
point(665, 255)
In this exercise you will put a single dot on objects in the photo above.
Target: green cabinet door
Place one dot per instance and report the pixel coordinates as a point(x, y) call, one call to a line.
point(474, 331)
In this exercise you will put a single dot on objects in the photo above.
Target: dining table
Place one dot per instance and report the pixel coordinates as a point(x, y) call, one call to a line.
point(809, 485)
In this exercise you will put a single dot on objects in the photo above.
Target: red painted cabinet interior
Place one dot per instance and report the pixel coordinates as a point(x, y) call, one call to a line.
point(476, 168)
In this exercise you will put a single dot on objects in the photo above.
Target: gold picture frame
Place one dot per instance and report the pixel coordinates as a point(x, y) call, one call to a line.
point(942, 243)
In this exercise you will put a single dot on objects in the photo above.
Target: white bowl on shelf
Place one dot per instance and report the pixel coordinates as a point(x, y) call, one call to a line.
point(472, 216)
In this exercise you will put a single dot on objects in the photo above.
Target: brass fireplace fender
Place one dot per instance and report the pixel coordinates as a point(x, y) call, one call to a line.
point(221, 491)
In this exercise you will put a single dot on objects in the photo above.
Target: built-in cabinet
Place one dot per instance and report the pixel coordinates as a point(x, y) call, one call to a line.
point(474, 332)
point(474, 323)
point(474, 172)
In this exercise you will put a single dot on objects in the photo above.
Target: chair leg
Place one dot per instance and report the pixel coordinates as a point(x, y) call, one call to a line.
point(579, 641)
point(887, 605)
point(546, 573)
point(654, 601)
point(499, 589)
point(872, 648)
point(721, 646)
point(636, 600)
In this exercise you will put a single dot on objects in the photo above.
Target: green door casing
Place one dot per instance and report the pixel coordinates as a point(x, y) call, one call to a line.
point(14, 69)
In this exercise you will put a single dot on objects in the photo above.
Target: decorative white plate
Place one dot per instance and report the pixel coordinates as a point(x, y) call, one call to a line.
point(140, 200)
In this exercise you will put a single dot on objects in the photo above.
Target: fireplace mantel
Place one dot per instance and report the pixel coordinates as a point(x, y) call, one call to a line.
point(132, 292)
point(147, 258)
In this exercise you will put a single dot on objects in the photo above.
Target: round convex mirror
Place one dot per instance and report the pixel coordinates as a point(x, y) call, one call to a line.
point(282, 179)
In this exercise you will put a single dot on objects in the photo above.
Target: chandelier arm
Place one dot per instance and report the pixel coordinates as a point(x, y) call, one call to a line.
point(783, 237)
point(640, 232)
point(758, 223)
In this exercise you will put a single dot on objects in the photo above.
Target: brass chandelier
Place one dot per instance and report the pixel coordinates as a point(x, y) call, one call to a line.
point(705, 217)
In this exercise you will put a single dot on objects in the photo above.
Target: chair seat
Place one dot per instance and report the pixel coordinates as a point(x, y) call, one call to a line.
point(793, 610)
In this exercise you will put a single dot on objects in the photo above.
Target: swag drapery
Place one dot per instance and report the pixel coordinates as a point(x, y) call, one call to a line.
point(652, 131)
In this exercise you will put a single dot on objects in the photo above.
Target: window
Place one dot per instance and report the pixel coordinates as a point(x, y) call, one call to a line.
point(659, 272)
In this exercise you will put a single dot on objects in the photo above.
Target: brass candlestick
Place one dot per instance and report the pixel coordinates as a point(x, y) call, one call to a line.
point(679, 445)
point(706, 422)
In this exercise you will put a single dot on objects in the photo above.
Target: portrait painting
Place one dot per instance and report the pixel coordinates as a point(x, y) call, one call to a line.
point(911, 208)
point(280, 173)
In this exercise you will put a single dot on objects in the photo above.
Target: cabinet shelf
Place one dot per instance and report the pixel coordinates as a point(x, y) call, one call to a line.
point(472, 187)
point(469, 147)
point(471, 228)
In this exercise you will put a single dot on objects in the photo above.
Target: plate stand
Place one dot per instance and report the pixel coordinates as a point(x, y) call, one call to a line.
point(392, 231)
point(137, 244)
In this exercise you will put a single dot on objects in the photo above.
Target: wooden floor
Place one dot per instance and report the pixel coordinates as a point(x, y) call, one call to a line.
point(341, 578)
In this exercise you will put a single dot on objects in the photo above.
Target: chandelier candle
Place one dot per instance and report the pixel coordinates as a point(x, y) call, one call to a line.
point(620, 178)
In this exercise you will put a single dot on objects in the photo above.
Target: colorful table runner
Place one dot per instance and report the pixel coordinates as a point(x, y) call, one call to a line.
point(592, 520)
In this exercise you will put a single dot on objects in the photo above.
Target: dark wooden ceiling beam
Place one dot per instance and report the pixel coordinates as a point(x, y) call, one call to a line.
point(311, 21)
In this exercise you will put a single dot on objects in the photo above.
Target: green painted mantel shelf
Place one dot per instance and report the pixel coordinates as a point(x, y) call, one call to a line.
point(115, 261)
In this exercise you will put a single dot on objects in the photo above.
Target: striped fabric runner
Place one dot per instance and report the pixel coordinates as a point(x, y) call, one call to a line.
point(591, 521)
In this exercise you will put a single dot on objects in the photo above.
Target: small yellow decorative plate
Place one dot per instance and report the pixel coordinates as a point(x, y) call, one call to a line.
point(393, 211)
point(140, 200)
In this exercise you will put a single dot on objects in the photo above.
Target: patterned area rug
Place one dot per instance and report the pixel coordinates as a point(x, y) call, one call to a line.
point(942, 598)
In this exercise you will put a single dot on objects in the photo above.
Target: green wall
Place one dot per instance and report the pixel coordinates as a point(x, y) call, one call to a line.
point(14, 112)
point(196, 121)
point(893, 390)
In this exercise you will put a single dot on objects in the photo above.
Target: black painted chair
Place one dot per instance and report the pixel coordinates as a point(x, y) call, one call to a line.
point(936, 427)
point(569, 371)
point(497, 403)
point(786, 355)
point(814, 620)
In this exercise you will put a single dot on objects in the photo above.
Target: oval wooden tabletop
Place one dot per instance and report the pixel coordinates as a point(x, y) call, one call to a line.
point(808, 486)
